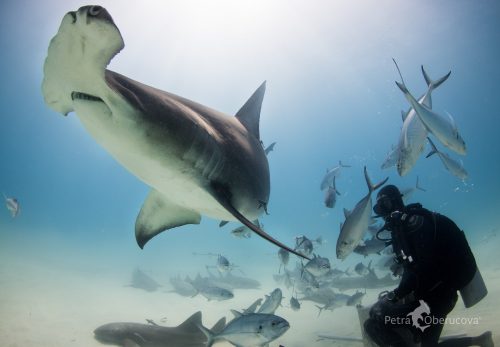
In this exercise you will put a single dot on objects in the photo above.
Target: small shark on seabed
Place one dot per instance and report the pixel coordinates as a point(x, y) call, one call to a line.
point(197, 161)
point(187, 334)
point(140, 280)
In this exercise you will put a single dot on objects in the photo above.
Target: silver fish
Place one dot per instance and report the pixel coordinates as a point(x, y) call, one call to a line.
point(357, 222)
point(330, 174)
point(13, 206)
point(453, 166)
point(254, 329)
point(318, 266)
point(331, 195)
point(272, 302)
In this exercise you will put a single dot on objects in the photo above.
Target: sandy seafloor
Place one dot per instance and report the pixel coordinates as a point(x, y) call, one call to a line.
point(57, 298)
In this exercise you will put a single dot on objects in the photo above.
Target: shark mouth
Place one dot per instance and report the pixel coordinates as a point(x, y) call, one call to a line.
point(83, 96)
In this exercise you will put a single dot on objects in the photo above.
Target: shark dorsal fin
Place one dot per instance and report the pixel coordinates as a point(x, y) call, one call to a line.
point(193, 320)
point(249, 113)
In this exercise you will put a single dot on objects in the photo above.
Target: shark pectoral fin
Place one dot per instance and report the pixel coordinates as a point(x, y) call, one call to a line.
point(222, 194)
point(157, 214)
point(130, 343)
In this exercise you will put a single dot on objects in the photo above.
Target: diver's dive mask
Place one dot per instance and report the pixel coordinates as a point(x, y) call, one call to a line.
point(389, 199)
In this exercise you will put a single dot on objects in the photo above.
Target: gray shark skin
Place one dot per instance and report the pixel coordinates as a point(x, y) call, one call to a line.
point(369, 281)
point(187, 334)
point(198, 161)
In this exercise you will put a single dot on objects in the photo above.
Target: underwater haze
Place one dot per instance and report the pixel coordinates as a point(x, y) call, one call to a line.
point(68, 258)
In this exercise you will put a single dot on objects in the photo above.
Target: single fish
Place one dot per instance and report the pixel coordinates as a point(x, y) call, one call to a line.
point(318, 266)
point(198, 161)
point(13, 206)
point(444, 128)
point(294, 304)
point(284, 257)
point(254, 329)
point(242, 232)
point(303, 245)
point(370, 246)
point(337, 301)
point(215, 293)
point(269, 148)
point(330, 174)
point(413, 133)
point(331, 195)
point(357, 221)
point(182, 287)
point(391, 159)
point(142, 281)
point(361, 269)
point(454, 167)
point(355, 299)
point(272, 302)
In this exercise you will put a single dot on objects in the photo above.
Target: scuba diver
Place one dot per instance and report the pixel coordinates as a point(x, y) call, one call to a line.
point(437, 262)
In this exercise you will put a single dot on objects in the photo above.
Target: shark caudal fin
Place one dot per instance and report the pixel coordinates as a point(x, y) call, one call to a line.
point(222, 194)
point(249, 113)
point(434, 84)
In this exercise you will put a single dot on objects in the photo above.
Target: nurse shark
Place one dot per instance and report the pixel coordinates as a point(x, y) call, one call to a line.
point(198, 161)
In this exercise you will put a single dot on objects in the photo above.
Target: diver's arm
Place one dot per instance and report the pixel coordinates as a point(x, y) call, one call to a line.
point(407, 285)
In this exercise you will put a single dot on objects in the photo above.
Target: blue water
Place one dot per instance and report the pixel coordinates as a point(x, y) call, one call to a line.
point(330, 96)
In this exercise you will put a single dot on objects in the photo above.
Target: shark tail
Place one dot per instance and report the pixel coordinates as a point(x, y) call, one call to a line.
point(208, 333)
point(434, 84)
point(222, 195)
point(434, 149)
point(417, 186)
point(371, 186)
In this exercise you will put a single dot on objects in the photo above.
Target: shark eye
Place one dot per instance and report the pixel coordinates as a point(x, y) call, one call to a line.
point(273, 323)
point(260, 327)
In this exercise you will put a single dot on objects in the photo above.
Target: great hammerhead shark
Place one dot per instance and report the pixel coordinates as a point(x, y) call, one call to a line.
point(198, 161)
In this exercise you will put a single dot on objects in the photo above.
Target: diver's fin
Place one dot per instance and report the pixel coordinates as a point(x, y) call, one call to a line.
point(222, 194)
point(158, 214)
point(249, 113)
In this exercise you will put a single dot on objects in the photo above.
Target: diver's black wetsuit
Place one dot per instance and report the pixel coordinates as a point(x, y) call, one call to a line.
point(437, 261)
